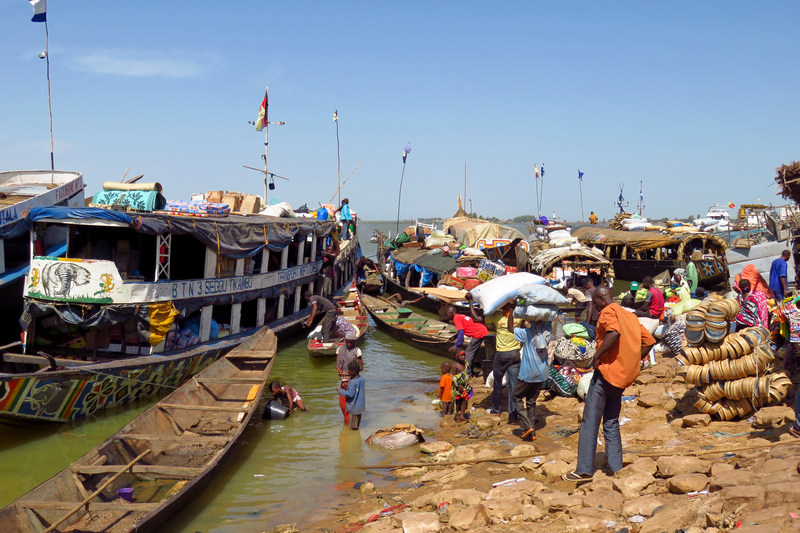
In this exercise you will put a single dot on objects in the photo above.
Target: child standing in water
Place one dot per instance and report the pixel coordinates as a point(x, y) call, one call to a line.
point(462, 391)
point(355, 398)
point(446, 390)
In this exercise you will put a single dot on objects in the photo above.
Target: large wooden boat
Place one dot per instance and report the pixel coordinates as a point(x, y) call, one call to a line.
point(143, 301)
point(414, 329)
point(353, 311)
point(567, 263)
point(21, 191)
point(147, 470)
point(636, 254)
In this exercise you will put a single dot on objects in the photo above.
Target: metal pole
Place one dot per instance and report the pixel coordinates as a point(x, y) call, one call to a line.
point(403, 173)
point(465, 180)
point(266, 146)
point(49, 102)
point(338, 160)
point(580, 188)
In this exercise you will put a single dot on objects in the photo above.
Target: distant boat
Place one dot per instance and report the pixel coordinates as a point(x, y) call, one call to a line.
point(20, 191)
point(375, 236)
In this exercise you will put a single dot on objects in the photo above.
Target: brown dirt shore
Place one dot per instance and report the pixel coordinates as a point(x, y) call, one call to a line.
point(683, 471)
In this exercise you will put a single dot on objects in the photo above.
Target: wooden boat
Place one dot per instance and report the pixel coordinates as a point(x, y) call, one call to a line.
point(147, 470)
point(566, 263)
point(135, 304)
point(636, 254)
point(352, 309)
point(20, 191)
point(414, 329)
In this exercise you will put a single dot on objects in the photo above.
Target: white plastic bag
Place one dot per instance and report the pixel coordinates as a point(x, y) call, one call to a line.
point(496, 292)
point(583, 385)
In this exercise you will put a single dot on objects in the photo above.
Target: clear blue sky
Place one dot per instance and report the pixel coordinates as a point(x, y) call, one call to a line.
point(696, 99)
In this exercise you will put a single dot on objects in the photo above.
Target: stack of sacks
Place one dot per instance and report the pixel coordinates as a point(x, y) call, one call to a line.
point(494, 293)
point(733, 372)
point(561, 237)
point(199, 209)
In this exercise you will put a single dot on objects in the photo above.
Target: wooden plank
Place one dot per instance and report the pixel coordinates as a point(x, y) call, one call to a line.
point(211, 439)
point(230, 380)
point(220, 408)
point(39, 360)
point(163, 470)
point(93, 506)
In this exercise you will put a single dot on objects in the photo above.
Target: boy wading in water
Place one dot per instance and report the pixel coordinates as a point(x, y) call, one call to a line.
point(355, 398)
point(446, 390)
point(462, 390)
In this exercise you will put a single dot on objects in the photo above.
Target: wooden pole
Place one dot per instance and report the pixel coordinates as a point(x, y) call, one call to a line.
point(345, 181)
point(339, 161)
point(399, 195)
point(580, 190)
point(266, 145)
point(96, 493)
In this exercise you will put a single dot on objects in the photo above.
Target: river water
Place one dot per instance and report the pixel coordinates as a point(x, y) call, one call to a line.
point(290, 471)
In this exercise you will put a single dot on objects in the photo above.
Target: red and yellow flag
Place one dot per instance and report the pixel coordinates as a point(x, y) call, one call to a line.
point(262, 114)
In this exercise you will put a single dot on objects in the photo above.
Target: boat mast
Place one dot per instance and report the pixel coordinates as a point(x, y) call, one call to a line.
point(641, 199)
point(266, 144)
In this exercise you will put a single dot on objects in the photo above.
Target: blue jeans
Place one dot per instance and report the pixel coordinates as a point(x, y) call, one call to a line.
point(502, 361)
point(512, 373)
point(603, 402)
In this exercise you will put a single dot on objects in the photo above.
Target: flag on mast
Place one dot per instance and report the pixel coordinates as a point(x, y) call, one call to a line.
point(580, 175)
point(336, 116)
point(406, 151)
point(39, 10)
point(541, 171)
point(262, 114)
point(536, 171)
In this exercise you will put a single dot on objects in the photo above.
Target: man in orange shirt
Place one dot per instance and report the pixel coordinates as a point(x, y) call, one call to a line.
point(622, 342)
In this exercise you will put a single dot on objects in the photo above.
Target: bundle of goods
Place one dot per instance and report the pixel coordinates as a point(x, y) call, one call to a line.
point(197, 209)
point(140, 197)
point(494, 293)
point(732, 372)
point(618, 220)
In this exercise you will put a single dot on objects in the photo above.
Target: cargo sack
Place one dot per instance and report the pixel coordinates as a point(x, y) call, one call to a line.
point(569, 351)
point(561, 381)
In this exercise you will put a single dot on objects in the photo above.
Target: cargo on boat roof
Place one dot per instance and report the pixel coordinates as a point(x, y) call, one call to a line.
point(648, 240)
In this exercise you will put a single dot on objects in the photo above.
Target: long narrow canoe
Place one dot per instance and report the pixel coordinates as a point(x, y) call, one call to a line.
point(160, 460)
point(353, 311)
point(412, 328)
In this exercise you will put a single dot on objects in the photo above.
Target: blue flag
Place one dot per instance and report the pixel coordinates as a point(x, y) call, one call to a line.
point(542, 170)
point(580, 175)
point(39, 10)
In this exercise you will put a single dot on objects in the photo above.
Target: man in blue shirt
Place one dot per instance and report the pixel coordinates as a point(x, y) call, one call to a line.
point(778, 277)
point(532, 373)
point(346, 218)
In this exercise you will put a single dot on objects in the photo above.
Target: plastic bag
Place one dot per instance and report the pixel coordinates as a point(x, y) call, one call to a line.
point(536, 313)
point(583, 385)
point(539, 294)
point(496, 292)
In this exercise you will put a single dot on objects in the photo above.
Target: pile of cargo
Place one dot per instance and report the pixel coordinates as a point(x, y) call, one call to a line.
point(732, 371)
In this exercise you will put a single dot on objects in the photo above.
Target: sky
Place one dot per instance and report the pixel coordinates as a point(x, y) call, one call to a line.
point(696, 100)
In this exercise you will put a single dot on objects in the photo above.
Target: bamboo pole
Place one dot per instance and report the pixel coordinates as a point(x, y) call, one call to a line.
point(96, 493)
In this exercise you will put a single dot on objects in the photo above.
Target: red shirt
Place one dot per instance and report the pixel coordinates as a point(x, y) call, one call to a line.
point(472, 329)
point(656, 303)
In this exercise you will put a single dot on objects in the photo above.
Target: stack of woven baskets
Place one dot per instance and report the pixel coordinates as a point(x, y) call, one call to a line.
point(733, 372)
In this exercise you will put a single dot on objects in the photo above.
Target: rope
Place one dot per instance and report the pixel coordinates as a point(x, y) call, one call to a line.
point(129, 379)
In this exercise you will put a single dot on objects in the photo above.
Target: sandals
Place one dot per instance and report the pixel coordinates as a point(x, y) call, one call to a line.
point(574, 477)
point(529, 435)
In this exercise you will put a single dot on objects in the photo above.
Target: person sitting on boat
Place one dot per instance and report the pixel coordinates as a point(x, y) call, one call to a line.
point(653, 304)
point(629, 298)
point(471, 326)
point(592, 218)
point(346, 218)
point(753, 310)
point(361, 271)
point(289, 397)
point(323, 305)
point(346, 354)
point(343, 328)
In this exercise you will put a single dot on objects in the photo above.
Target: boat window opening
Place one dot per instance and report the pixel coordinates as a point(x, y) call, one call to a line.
point(189, 255)
point(293, 252)
point(226, 266)
point(222, 315)
point(253, 264)
point(271, 310)
point(17, 252)
point(133, 253)
point(249, 314)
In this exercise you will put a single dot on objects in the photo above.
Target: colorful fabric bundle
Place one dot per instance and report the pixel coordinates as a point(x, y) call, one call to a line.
point(199, 209)
point(792, 314)
point(146, 201)
point(563, 380)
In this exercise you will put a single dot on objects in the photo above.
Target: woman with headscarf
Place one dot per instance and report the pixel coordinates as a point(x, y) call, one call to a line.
point(753, 309)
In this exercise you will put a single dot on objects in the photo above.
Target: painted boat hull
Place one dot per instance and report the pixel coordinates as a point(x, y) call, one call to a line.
point(189, 434)
point(437, 343)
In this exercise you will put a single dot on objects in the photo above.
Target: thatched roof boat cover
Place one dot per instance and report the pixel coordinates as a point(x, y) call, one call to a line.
point(468, 230)
point(544, 260)
point(644, 240)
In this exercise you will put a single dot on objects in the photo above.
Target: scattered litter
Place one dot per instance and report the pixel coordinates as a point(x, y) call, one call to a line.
point(725, 434)
point(508, 482)
point(258, 475)
point(562, 433)
point(624, 420)
point(443, 507)
point(629, 398)
point(696, 493)
point(610, 524)
point(387, 511)
point(751, 419)
point(636, 519)
point(794, 515)
point(538, 460)
point(729, 455)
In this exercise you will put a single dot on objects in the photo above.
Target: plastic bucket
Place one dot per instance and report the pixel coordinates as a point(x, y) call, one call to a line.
point(125, 493)
point(275, 411)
